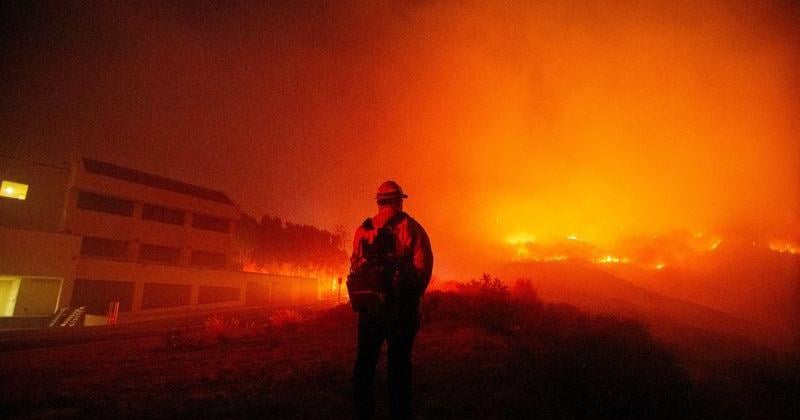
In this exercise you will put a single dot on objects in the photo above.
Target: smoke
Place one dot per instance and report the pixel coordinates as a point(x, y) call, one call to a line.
point(598, 119)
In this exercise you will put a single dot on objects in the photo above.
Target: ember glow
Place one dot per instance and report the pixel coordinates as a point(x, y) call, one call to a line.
point(649, 252)
point(785, 246)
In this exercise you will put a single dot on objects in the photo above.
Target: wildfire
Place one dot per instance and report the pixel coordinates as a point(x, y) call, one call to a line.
point(784, 247)
point(610, 259)
point(520, 238)
point(652, 251)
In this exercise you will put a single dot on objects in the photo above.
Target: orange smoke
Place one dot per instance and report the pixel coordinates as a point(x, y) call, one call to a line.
point(598, 119)
point(600, 122)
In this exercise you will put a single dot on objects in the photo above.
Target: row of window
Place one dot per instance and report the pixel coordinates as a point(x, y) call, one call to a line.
point(92, 246)
point(122, 207)
point(95, 295)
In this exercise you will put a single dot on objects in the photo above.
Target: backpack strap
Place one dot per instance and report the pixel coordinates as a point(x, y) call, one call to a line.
point(391, 223)
point(396, 219)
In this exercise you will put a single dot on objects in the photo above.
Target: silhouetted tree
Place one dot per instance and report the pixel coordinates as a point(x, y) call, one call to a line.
point(285, 247)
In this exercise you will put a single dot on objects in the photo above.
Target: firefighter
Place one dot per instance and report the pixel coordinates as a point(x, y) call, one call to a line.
point(396, 319)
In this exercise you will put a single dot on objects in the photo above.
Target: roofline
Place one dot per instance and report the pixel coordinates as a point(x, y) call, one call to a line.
point(123, 173)
point(34, 162)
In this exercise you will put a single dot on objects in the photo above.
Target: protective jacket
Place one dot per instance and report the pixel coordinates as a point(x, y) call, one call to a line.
point(411, 244)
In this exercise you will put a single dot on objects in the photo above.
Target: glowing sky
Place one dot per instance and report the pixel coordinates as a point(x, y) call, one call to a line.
point(598, 119)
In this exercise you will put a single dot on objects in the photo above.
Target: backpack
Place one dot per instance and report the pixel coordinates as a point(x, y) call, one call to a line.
point(370, 285)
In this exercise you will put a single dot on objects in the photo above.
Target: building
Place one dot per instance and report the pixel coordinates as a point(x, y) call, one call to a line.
point(88, 233)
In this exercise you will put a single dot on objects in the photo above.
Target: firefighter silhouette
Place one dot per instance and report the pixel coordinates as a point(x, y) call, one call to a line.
point(392, 255)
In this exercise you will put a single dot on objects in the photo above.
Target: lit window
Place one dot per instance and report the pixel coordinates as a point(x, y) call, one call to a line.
point(13, 190)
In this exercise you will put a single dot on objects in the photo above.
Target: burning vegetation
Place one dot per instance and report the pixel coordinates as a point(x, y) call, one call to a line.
point(274, 246)
point(646, 251)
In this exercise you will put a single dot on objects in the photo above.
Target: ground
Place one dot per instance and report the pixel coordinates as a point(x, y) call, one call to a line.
point(303, 373)
point(477, 356)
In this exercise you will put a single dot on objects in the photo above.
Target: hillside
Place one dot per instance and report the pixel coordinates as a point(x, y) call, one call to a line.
point(671, 319)
point(742, 279)
point(481, 354)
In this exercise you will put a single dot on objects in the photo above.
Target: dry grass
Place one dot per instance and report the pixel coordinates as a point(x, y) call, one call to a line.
point(286, 320)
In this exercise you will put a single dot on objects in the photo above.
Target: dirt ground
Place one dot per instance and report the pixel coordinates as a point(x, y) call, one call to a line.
point(288, 374)
point(480, 357)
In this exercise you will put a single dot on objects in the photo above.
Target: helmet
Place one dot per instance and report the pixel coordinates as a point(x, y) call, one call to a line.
point(390, 190)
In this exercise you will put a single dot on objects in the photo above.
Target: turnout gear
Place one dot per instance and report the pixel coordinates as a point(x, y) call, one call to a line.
point(412, 249)
point(376, 280)
point(396, 252)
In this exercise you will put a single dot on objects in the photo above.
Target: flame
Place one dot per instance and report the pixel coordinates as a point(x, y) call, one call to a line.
point(784, 246)
point(652, 252)
point(520, 238)
point(610, 259)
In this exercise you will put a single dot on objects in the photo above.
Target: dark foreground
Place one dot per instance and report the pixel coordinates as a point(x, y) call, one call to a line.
point(481, 355)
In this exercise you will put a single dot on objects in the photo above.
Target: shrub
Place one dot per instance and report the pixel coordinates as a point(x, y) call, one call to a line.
point(598, 367)
point(486, 287)
point(286, 319)
point(222, 329)
point(484, 302)
point(524, 291)
point(341, 314)
point(174, 338)
point(566, 363)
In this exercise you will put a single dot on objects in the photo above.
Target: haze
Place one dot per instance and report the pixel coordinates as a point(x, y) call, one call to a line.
point(594, 119)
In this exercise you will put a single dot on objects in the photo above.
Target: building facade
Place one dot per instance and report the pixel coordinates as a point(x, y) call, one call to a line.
point(88, 233)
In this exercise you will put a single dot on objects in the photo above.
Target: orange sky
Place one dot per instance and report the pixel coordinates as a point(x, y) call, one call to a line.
point(594, 119)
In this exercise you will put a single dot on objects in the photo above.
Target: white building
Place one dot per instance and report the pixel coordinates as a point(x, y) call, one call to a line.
point(88, 233)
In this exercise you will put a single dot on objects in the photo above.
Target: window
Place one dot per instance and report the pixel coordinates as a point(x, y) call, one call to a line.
point(208, 259)
point(163, 295)
point(92, 246)
point(105, 204)
point(215, 294)
point(163, 215)
point(201, 221)
point(159, 253)
point(14, 190)
point(95, 295)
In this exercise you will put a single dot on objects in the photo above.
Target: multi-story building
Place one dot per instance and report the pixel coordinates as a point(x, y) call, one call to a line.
point(88, 233)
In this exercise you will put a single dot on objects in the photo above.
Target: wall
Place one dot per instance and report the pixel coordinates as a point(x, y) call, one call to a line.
point(38, 296)
point(138, 231)
point(31, 254)
point(206, 286)
point(9, 287)
point(43, 208)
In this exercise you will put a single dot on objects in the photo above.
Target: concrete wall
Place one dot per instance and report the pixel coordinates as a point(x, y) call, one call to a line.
point(42, 258)
point(31, 254)
point(43, 208)
point(38, 296)
point(282, 289)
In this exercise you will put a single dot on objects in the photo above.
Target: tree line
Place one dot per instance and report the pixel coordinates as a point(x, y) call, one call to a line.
point(277, 246)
